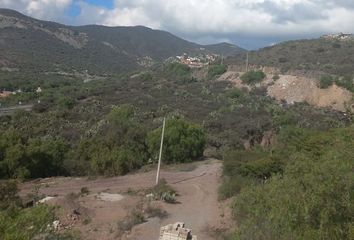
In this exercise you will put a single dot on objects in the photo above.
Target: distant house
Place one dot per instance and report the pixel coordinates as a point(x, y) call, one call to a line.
point(39, 90)
point(339, 36)
point(4, 94)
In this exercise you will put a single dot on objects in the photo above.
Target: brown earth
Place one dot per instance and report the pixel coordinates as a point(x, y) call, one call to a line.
point(300, 89)
point(197, 205)
point(294, 89)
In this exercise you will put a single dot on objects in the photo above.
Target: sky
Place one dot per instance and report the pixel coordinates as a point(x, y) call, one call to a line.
point(248, 23)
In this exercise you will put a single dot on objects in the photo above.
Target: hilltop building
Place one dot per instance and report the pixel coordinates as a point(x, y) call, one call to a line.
point(339, 36)
point(197, 61)
point(39, 90)
point(4, 94)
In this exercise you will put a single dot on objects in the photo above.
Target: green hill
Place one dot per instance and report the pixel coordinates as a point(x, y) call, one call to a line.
point(334, 56)
point(27, 43)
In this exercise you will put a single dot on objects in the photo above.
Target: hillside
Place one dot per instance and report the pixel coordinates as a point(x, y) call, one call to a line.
point(332, 55)
point(28, 43)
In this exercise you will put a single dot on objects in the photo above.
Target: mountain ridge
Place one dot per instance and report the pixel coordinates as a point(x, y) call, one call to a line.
point(28, 42)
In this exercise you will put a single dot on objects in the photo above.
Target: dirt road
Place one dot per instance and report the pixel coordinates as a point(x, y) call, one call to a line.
point(197, 205)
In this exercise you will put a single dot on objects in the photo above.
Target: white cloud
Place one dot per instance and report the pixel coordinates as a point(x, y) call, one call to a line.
point(244, 17)
point(207, 19)
point(44, 9)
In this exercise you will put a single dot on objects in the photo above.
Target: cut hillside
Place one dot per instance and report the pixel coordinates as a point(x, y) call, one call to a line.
point(295, 89)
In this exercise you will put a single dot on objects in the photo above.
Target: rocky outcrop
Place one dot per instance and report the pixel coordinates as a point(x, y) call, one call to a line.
point(75, 39)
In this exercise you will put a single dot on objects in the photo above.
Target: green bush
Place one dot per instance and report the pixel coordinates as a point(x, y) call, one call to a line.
point(183, 141)
point(235, 93)
point(22, 158)
point(253, 77)
point(216, 70)
point(261, 168)
point(326, 81)
point(25, 224)
point(163, 192)
point(310, 199)
point(8, 194)
point(179, 72)
point(66, 103)
point(116, 149)
point(346, 82)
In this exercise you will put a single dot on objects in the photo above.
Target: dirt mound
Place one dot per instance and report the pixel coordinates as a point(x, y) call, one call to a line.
point(294, 89)
point(234, 78)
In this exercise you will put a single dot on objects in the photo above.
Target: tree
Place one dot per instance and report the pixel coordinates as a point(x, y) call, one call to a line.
point(117, 148)
point(184, 141)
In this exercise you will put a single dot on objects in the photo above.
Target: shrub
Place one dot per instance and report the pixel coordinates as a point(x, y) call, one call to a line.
point(135, 217)
point(326, 81)
point(8, 194)
point(253, 77)
point(312, 197)
point(346, 82)
point(155, 212)
point(276, 77)
point(27, 223)
point(163, 192)
point(66, 103)
point(183, 141)
point(216, 70)
point(84, 191)
point(179, 72)
point(234, 93)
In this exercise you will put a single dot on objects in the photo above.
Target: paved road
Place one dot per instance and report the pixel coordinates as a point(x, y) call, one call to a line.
point(11, 110)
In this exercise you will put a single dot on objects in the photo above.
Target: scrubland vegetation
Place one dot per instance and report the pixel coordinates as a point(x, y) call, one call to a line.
point(300, 188)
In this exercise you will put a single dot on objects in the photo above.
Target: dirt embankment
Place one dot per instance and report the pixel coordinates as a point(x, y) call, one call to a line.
point(294, 89)
point(197, 205)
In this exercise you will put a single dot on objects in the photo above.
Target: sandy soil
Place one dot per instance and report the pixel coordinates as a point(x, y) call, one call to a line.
point(300, 89)
point(294, 89)
point(197, 203)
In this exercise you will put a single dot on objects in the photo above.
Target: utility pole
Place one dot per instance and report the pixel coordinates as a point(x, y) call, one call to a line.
point(160, 155)
point(247, 63)
point(222, 59)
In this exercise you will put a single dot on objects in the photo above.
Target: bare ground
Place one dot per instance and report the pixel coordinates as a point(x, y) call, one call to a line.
point(293, 89)
point(197, 205)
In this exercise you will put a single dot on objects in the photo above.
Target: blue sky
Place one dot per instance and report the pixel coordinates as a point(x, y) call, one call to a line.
point(74, 10)
point(249, 23)
point(103, 3)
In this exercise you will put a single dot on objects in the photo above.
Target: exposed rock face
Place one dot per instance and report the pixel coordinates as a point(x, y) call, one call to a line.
point(75, 39)
point(6, 21)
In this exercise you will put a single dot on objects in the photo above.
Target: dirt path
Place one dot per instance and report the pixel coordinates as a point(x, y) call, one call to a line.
point(198, 206)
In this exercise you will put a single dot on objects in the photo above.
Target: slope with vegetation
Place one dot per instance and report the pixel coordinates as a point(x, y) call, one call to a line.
point(328, 60)
point(300, 189)
point(27, 43)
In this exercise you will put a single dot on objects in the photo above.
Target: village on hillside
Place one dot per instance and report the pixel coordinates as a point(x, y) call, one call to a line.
point(199, 61)
point(338, 36)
